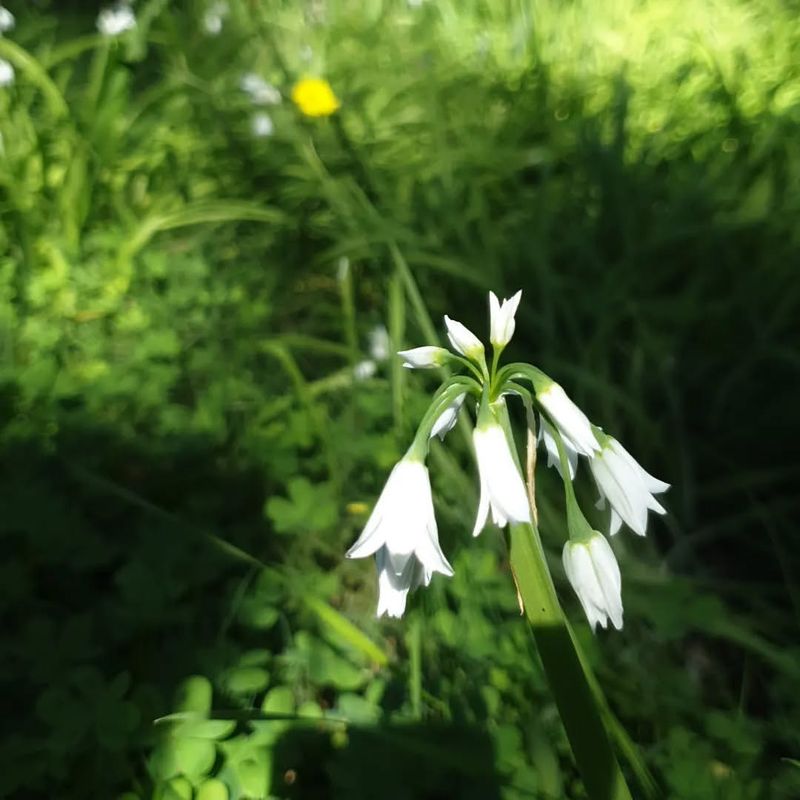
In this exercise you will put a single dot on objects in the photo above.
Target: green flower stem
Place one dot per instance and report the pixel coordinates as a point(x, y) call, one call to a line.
point(445, 395)
point(576, 703)
point(577, 706)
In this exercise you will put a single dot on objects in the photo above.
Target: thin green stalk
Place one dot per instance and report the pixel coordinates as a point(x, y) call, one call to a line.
point(576, 703)
point(579, 713)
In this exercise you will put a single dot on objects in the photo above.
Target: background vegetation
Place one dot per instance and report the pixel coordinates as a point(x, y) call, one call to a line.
point(188, 449)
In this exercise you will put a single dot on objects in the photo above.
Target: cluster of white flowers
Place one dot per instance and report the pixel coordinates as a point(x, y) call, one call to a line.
point(115, 20)
point(7, 23)
point(260, 93)
point(401, 531)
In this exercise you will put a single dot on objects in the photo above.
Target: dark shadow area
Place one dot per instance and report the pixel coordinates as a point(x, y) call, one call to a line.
point(408, 762)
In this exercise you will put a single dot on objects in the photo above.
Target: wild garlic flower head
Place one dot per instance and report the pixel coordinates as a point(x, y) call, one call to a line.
point(116, 19)
point(401, 531)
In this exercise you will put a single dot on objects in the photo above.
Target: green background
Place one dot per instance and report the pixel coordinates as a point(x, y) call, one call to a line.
point(185, 453)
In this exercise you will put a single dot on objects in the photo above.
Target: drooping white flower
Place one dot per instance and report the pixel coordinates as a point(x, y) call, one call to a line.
point(259, 91)
point(261, 125)
point(628, 488)
point(379, 343)
point(572, 423)
point(116, 19)
point(502, 488)
point(6, 73)
point(426, 357)
point(364, 369)
point(393, 589)
point(448, 418)
point(502, 318)
point(7, 20)
point(463, 340)
point(403, 523)
point(592, 569)
point(546, 435)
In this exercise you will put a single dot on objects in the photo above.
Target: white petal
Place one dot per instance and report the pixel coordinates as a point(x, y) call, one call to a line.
point(623, 488)
point(502, 318)
point(615, 523)
point(500, 475)
point(426, 357)
point(392, 589)
point(654, 485)
point(462, 339)
point(553, 459)
point(495, 323)
point(483, 509)
point(572, 423)
point(447, 419)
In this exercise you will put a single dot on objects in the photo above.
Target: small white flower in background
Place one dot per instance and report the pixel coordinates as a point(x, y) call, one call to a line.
point(592, 569)
point(6, 73)
point(402, 527)
point(393, 589)
point(502, 488)
point(502, 318)
point(426, 357)
point(116, 19)
point(259, 91)
point(214, 18)
point(447, 419)
point(7, 20)
point(463, 340)
point(546, 435)
point(572, 423)
point(379, 344)
point(628, 488)
point(261, 125)
point(364, 369)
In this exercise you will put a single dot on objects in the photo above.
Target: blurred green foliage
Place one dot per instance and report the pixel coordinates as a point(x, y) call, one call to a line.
point(188, 450)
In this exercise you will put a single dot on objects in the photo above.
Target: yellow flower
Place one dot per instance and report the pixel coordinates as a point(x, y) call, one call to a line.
point(315, 97)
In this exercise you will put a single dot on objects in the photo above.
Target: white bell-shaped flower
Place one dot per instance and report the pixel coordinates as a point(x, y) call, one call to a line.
point(463, 340)
point(502, 318)
point(403, 522)
point(502, 488)
point(572, 423)
point(592, 569)
point(426, 357)
point(628, 488)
